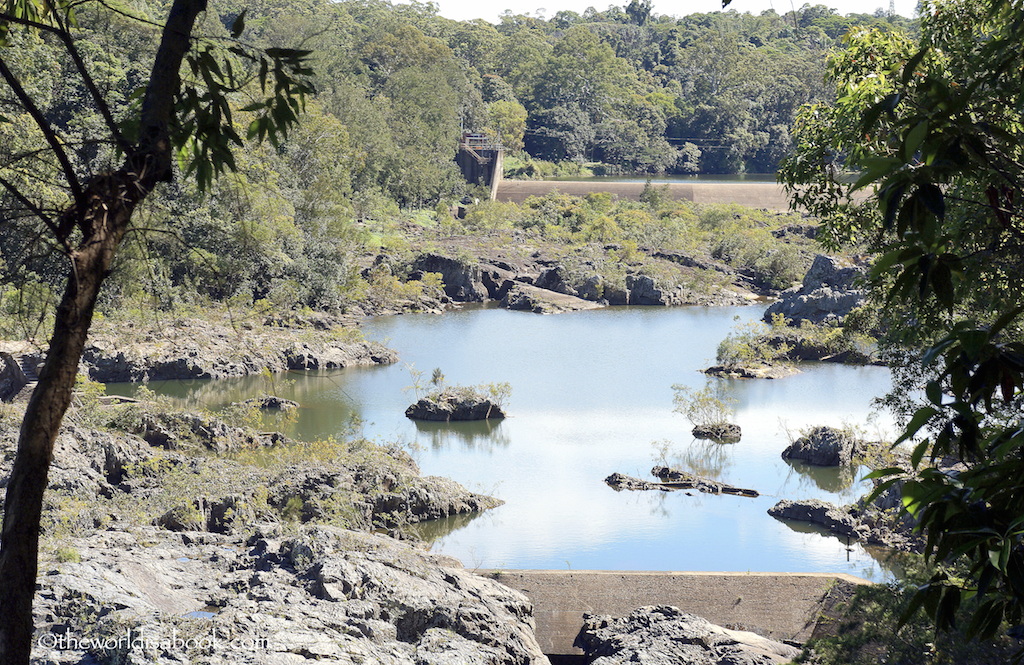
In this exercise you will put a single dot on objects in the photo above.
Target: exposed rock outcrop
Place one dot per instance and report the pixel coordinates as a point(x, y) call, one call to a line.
point(547, 282)
point(824, 446)
point(873, 524)
point(193, 349)
point(12, 377)
point(751, 372)
point(683, 480)
point(174, 430)
point(528, 298)
point(455, 404)
point(662, 634)
point(620, 481)
point(673, 480)
point(195, 587)
point(326, 594)
point(462, 279)
point(829, 292)
point(372, 487)
point(815, 511)
point(721, 432)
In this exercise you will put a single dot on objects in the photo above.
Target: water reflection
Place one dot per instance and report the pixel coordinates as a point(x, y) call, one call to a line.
point(836, 479)
point(578, 417)
point(432, 530)
point(329, 401)
point(889, 561)
point(702, 457)
point(484, 435)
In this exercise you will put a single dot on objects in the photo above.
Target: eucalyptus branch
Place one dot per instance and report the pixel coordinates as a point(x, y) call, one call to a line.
point(48, 132)
point(36, 210)
point(122, 13)
point(65, 38)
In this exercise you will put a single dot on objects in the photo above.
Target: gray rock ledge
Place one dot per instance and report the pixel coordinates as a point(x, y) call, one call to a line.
point(664, 635)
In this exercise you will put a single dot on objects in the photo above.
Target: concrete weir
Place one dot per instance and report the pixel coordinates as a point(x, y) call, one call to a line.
point(767, 195)
point(782, 606)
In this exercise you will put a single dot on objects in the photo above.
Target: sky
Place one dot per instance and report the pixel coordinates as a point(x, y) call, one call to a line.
point(490, 9)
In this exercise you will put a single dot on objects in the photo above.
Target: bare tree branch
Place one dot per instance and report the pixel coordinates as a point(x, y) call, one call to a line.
point(48, 132)
point(69, 45)
point(36, 210)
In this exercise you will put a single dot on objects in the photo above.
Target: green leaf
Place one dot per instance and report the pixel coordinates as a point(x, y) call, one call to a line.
point(933, 199)
point(882, 473)
point(238, 25)
point(918, 454)
point(912, 64)
point(915, 137)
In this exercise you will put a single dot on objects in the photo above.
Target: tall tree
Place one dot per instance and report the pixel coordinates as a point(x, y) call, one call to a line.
point(88, 218)
point(934, 132)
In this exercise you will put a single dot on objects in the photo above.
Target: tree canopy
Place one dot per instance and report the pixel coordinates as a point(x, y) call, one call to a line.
point(932, 130)
point(78, 178)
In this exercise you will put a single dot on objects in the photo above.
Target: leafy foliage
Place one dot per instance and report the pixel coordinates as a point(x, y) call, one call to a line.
point(940, 132)
point(710, 405)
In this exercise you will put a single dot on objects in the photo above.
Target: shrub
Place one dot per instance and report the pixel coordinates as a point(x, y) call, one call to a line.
point(749, 345)
point(708, 406)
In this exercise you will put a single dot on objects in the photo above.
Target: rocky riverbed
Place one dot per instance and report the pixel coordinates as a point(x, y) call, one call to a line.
point(192, 348)
point(542, 279)
point(175, 537)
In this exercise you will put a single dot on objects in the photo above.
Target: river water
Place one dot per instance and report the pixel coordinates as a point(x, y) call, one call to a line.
point(592, 395)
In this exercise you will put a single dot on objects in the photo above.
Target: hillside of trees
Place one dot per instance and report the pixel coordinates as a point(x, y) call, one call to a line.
point(373, 154)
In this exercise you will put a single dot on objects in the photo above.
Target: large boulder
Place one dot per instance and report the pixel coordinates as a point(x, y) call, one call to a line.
point(815, 511)
point(455, 404)
point(664, 635)
point(829, 292)
point(644, 290)
point(12, 377)
point(326, 595)
point(462, 281)
point(528, 298)
point(874, 524)
point(823, 446)
point(720, 432)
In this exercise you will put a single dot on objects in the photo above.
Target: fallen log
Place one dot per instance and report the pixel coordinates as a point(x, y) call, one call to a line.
point(683, 480)
point(673, 480)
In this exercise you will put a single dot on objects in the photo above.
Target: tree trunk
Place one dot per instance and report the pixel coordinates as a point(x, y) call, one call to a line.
point(19, 543)
point(102, 217)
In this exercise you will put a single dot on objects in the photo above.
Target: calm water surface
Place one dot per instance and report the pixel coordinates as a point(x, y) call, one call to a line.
point(592, 395)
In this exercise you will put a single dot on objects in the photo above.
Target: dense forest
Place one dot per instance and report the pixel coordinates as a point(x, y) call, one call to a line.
point(325, 213)
point(396, 86)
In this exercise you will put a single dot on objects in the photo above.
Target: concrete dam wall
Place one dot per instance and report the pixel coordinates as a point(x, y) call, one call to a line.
point(781, 606)
point(768, 195)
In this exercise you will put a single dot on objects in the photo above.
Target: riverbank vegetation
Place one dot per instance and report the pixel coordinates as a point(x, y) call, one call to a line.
point(862, 628)
point(333, 214)
point(369, 170)
point(933, 129)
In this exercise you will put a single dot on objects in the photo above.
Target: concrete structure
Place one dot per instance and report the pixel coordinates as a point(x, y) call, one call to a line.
point(482, 161)
point(767, 195)
point(782, 606)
